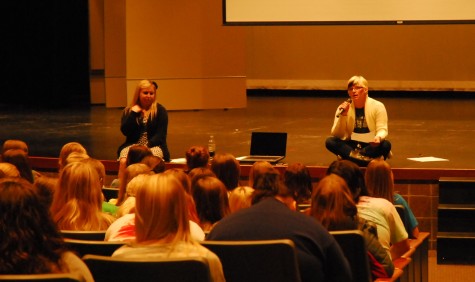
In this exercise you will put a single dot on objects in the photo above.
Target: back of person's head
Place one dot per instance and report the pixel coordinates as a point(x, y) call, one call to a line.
point(353, 176)
point(20, 160)
point(196, 156)
point(15, 144)
point(67, 149)
point(240, 198)
point(137, 153)
point(156, 163)
point(161, 211)
point(268, 183)
point(75, 157)
point(45, 187)
point(333, 205)
point(77, 201)
point(29, 240)
point(181, 175)
point(211, 199)
point(297, 178)
point(130, 172)
point(99, 167)
point(379, 180)
point(8, 170)
point(257, 169)
point(227, 169)
point(199, 172)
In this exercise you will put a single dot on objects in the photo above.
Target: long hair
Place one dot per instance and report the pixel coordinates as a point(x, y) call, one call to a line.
point(211, 199)
point(29, 240)
point(130, 172)
point(240, 198)
point(297, 178)
point(268, 183)
point(227, 169)
point(19, 158)
point(185, 181)
point(333, 205)
point(77, 201)
point(67, 149)
point(352, 175)
point(379, 180)
point(136, 99)
point(137, 153)
point(161, 211)
point(258, 168)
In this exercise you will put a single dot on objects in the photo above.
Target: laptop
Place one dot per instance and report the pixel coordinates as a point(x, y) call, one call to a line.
point(267, 146)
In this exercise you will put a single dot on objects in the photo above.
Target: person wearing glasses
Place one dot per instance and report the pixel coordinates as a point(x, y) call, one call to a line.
point(360, 126)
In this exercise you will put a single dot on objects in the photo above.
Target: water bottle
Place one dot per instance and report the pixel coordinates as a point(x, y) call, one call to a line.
point(211, 146)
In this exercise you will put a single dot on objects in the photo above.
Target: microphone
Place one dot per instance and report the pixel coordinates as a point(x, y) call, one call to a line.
point(340, 110)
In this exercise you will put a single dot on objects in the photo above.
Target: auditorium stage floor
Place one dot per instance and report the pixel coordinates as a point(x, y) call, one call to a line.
point(418, 127)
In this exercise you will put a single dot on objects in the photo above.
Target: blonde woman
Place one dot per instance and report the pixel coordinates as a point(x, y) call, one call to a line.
point(129, 173)
point(240, 198)
point(77, 202)
point(162, 225)
point(66, 150)
point(144, 122)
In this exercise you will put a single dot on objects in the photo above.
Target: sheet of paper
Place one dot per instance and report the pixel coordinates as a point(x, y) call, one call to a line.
point(363, 137)
point(428, 159)
point(178, 161)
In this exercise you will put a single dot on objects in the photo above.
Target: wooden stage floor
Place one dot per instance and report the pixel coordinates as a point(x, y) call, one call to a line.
point(418, 127)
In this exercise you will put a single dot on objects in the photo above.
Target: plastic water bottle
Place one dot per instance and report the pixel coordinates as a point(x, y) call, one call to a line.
point(211, 146)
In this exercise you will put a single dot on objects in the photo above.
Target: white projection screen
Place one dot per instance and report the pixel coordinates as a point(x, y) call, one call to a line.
point(308, 12)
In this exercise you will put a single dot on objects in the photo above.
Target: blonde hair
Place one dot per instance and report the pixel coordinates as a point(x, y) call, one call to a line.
point(77, 201)
point(136, 99)
point(8, 170)
point(357, 79)
point(67, 149)
point(15, 144)
point(379, 180)
point(161, 211)
point(130, 172)
point(240, 198)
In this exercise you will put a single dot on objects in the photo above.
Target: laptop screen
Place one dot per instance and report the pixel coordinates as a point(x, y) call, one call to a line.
point(268, 143)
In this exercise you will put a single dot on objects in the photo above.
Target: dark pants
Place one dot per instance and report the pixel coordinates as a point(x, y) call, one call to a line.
point(343, 148)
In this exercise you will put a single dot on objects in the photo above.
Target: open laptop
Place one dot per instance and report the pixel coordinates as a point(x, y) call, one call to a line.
point(267, 146)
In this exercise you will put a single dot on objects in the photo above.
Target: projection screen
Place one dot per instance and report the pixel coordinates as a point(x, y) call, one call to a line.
point(294, 12)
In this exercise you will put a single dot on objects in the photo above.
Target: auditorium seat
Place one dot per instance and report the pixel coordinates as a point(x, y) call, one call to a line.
point(84, 247)
point(60, 277)
point(84, 235)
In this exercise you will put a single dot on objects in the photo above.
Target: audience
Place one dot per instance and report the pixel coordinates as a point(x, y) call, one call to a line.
point(391, 231)
point(156, 163)
point(319, 255)
point(199, 172)
point(15, 144)
point(77, 202)
point(256, 169)
point(19, 158)
point(185, 181)
point(240, 198)
point(380, 182)
point(196, 156)
point(211, 201)
point(130, 172)
point(298, 180)
point(162, 225)
point(227, 169)
point(67, 149)
point(29, 240)
point(333, 206)
point(8, 170)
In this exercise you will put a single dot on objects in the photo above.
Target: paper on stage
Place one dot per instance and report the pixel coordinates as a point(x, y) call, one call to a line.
point(178, 161)
point(428, 159)
point(363, 137)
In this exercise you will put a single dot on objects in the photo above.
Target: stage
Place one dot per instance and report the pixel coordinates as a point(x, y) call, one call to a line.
point(418, 127)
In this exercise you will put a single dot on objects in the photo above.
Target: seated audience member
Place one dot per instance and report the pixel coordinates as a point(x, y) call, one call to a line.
point(45, 187)
point(8, 170)
point(67, 149)
point(130, 172)
point(380, 182)
point(18, 158)
point(123, 229)
point(185, 181)
point(256, 169)
point(333, 206)
point(240, 198)
point(297, 178)
point(211, 201)
point(319, 255)
point(15, 144)
point(162, 225)
point(196, 156)
point(77, 201)
point(29, 240)
point(156, 163)
point(391, 231)
point(227, 169)
point(135, 154)
point(199, 172)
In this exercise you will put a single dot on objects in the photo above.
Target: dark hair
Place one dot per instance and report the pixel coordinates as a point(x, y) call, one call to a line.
point(196, 156)
point(29, 240)
point(227, 169)
point(137, 153)
point(156, 163)
point(297, 178)
point(20, 159)
point(211, 199)
point(269, 184)
point(352, 175)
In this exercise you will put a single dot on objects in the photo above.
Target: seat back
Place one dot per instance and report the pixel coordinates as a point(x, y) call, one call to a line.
point(353, 246)
point(84, 235)
point(193, 269)
point(268, 260)
point(84, 247)
point(60, 277)
point(401, 210)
